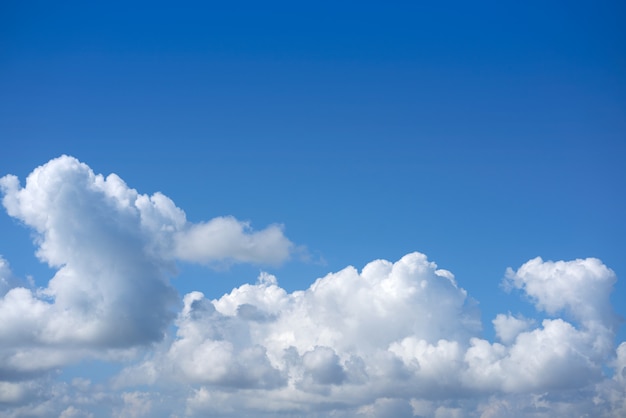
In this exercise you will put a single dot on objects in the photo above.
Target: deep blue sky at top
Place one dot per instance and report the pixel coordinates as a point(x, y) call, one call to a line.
point(480, 133)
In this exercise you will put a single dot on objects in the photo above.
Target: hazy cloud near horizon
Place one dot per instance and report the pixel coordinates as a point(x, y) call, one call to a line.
point(392, 339)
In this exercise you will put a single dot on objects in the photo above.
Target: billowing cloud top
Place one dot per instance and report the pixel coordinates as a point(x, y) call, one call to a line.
point(392, 339)
point(64, 201)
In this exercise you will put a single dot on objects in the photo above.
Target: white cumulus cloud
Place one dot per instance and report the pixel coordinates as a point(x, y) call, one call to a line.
point(392, 339)
point(389, 339)
point(580, 287)
point(226, 238)
point(114, 250)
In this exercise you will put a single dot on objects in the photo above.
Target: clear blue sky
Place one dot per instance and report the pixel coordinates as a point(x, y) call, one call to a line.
point(482, 135)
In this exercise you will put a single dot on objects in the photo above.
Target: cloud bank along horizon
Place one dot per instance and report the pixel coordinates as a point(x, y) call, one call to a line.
point(394, 339)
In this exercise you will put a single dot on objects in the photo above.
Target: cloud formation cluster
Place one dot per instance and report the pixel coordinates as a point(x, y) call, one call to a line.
point(394, 336)
point(114, 250)
point(393, 339)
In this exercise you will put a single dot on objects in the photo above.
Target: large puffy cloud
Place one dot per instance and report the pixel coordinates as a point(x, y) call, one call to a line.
point(391, 339)
point(394, 338)
point(64, 200)
point(114, 250)
point(558, 354)
point(335, 343)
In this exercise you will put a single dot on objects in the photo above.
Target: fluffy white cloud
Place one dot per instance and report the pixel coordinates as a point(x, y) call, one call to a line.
point(557, 355)
point(388, 338)
point(114, 250)
point(341, 338)
point(226, 238)
point(580, 287)
point(392, 339)
point(66, 203)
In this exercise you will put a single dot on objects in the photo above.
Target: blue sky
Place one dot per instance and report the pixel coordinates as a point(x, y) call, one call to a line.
point(481, 135)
